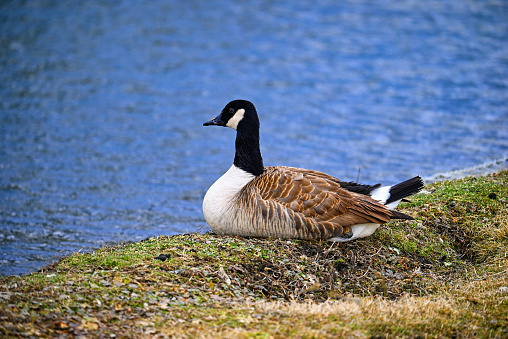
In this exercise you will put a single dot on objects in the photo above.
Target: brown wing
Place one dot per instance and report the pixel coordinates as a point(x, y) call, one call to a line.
point(309, 172)
point(318, 205)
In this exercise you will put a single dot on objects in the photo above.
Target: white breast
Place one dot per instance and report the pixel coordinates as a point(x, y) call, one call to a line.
point(220, 198)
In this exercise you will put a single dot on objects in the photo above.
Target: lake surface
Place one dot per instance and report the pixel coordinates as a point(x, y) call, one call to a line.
point(102, 105)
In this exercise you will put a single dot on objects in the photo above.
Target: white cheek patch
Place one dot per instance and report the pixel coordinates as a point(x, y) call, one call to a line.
point(235, 119)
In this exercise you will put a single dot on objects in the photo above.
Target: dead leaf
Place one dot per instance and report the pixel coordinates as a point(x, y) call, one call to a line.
point(117, 281)
point(163, 304)
point(60, 324)
point(89, 324)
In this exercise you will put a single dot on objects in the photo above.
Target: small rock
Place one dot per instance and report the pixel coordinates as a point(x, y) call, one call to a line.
point(260, 287)
point(5, 295)
point(163, 257)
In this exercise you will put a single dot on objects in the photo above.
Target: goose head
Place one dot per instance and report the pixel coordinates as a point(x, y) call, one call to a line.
point(238, 115)
point(241, 116)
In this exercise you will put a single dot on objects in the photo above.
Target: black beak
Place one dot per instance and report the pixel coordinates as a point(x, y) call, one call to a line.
point(215, 121)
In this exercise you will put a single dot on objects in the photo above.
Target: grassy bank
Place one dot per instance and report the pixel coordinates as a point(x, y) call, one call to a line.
point(443, 275)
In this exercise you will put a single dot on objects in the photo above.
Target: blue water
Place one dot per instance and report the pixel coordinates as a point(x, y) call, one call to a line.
point(102, 104)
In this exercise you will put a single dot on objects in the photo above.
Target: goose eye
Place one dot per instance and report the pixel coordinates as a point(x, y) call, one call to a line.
point(231, 110)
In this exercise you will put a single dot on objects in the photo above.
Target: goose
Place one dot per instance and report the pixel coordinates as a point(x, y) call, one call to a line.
point(251, 200)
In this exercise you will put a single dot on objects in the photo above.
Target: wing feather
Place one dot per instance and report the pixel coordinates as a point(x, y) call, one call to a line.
point(318, 206)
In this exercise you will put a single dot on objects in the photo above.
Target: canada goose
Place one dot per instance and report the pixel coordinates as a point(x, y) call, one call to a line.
point(286, 202)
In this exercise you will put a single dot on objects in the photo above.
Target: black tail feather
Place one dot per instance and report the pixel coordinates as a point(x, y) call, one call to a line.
point(398, 215)
point(358, 188)
point(405, 189)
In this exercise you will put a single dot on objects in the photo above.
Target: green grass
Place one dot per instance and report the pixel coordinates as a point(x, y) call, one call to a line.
point(443, 275)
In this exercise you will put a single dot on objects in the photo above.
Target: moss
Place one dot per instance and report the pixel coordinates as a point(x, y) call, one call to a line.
point(442, 275)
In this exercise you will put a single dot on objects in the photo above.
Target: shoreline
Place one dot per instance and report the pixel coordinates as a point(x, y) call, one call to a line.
point(486, 168)
point(444, 274)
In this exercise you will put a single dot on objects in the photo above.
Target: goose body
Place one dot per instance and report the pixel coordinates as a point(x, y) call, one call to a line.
point(292, 203)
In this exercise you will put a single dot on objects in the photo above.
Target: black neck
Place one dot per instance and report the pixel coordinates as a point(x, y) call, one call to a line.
point(248, 154)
